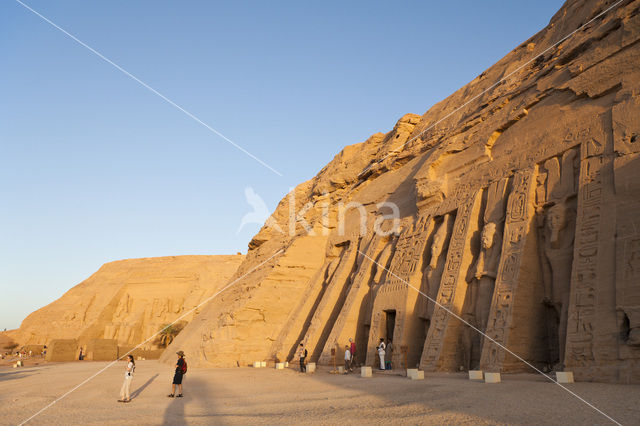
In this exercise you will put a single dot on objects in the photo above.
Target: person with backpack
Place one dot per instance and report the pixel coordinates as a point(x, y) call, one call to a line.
point(302, 355)
point(181, 370)
point(128, 377)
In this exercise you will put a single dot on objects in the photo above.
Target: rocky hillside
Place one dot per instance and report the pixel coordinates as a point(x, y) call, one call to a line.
point(129, 300)
point(517, 200)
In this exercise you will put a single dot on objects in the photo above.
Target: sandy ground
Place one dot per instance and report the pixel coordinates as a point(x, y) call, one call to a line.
point(269, 396)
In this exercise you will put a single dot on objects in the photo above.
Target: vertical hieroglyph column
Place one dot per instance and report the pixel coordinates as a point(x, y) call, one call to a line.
point(591, 338)
point(512, 271)
point(441, 346)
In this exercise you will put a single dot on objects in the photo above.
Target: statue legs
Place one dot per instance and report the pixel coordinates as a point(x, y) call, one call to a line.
point(483, 301)
point(634, 326)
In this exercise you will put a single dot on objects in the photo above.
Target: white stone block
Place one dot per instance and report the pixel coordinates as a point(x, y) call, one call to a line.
point(279, 365)
point(263, 363)
point(475, 375)
point(311, 367)
point(257, 364)
point(341, 370)
point(415, 374)
point(564, 376)
point(365, 372)
point(492, 377)
point(286, 364)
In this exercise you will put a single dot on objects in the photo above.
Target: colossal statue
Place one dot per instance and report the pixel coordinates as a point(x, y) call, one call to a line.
point(482, 274)
point(559, 230)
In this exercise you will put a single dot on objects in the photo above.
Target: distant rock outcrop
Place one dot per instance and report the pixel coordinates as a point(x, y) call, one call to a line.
point(125, 303)
point(517, 212)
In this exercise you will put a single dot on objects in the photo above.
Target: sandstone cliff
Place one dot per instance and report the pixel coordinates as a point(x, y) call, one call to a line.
point(518, 212)
point(126, 302)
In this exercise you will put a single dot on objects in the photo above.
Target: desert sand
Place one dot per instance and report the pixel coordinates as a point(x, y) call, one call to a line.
point(269, 396)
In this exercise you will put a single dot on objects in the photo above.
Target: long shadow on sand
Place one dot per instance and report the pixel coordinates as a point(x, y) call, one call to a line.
point(203, 407)
point(21, 372)
point(143, 387)
point(15, 375)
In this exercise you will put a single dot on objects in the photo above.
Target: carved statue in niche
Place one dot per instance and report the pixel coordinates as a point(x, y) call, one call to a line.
point(110, 331)
point(558, 236)
point(631, 319)
point(556, 217)
point(124, 306)
point(433, 271)
point(125, 334)
point(482, 274)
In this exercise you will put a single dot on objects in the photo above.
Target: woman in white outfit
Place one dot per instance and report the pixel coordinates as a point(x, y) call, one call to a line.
point(381, 353)
point(128, 377)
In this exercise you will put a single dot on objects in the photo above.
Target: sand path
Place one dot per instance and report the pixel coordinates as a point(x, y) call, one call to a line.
point(267, 396)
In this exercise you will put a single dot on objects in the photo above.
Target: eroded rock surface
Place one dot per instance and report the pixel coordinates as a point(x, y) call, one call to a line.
point(125, 303)
point(518, 212)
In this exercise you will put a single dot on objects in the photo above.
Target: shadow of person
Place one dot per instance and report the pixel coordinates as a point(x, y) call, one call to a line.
point(174, 413)
point(138, 391)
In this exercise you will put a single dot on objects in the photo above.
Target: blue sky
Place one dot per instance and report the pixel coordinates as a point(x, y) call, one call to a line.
point(95, 168)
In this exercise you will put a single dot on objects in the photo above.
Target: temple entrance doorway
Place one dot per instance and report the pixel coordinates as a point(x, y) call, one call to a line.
point(390, 322)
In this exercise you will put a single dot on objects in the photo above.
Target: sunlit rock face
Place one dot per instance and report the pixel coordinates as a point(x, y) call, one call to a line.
point(518, 212)
point(126, 302)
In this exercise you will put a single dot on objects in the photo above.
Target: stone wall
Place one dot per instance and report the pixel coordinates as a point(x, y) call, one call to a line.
point(101, 350)
point(62, 350)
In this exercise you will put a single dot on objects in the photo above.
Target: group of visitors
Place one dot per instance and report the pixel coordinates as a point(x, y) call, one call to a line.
point(180, 371)
point(349, 357)
point(385, 353)
point(350, 351)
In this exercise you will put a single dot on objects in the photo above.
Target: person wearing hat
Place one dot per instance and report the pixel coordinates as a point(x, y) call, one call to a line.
point(181, 370)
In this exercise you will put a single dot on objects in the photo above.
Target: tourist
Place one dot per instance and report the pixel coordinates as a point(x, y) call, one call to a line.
point(181, 370)
point(389, 355)
point(347, 359)
point(381, 352)
point(128, 377)
point(352, 349)
point(302, 355)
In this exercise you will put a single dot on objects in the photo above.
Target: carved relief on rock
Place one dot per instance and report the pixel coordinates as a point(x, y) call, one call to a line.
point(556, 213)
point(481, 276)
point(432, 273)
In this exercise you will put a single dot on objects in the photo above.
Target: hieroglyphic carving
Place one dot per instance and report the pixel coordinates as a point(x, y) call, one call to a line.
point(409, 250)
point(519, 213)
point(582, 306)
point(447, 298)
